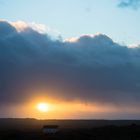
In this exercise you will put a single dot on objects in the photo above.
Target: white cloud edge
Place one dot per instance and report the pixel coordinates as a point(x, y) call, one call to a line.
point(43, 29)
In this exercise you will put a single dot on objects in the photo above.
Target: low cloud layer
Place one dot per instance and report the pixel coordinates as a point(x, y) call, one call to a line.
point(89, 68)
point(135, 4)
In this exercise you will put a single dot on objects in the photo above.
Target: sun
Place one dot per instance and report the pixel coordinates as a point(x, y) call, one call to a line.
point(43, 107)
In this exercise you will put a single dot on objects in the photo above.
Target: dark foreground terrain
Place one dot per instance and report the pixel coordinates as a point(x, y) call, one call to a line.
point(31, 129)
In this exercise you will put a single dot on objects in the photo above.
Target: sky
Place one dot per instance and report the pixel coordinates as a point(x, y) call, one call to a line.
point(70, 18)
point(80, 57)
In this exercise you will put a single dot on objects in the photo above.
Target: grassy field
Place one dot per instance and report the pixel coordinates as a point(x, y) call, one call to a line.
point(31, 129)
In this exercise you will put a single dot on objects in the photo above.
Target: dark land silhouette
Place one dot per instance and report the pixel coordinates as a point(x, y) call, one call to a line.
point(31, 129)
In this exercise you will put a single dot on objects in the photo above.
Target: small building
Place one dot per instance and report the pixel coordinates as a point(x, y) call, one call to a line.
point(50, 129)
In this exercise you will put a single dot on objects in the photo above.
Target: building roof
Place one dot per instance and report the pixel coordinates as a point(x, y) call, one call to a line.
point(50, 126)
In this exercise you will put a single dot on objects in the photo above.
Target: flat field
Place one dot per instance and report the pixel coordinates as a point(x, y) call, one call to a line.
point(31, 129)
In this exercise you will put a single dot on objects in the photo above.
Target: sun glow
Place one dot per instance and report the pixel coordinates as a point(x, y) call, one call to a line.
point(43, 107)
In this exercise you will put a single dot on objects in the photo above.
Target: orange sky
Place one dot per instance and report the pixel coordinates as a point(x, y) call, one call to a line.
point(59, 109)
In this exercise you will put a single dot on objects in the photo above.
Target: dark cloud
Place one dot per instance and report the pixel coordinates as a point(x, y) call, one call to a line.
point(89, 68)
point(135, 4)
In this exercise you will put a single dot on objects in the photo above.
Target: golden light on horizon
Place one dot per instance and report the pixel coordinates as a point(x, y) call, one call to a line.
point(43, 107)
point(47, 108)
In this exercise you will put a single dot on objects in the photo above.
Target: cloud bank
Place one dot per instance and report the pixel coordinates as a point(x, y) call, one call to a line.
point(89, 68)
point(135, 4)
